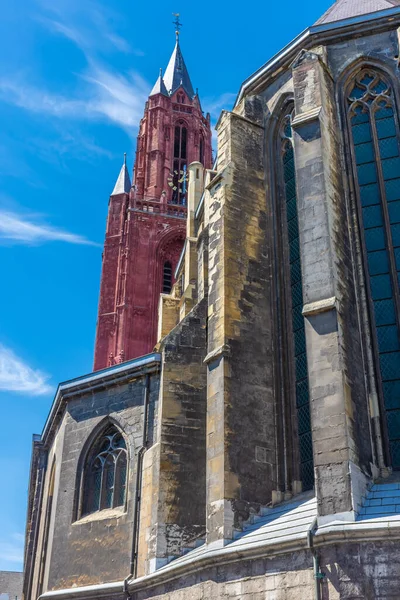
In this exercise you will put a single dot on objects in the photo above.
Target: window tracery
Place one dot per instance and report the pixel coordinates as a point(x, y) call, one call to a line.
point(376, 160)
point(105, 473)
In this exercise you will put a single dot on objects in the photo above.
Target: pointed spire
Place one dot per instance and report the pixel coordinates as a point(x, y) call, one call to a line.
point(176, 74)
point(123, 184)
point(348, 9)
point(159, 86)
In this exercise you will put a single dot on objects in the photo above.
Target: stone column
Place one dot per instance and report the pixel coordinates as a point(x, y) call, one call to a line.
point(342, 446)
point(240, 415)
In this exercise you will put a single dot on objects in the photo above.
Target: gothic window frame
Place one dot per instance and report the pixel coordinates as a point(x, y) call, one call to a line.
point(289, 462)
point(96, 450)
point(369, 325)
point(180, 172)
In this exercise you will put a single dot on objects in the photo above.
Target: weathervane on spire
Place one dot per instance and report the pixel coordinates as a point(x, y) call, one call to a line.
point(177, 24)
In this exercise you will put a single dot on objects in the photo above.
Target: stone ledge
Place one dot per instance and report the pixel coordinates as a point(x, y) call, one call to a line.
point(314, 308)
point(310, 115)
point(223, 350)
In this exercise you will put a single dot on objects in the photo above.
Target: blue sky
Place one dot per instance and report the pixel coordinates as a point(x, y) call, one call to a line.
point(73, 81)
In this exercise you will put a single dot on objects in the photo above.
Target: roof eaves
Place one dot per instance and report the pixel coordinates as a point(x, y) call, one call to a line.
point(306, 35)
point(272, 63)
point(105, 376)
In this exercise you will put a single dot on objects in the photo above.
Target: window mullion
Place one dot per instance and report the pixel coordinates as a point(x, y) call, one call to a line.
point(386, 219)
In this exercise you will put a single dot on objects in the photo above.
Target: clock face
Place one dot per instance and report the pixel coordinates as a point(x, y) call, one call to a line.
point(177, 180)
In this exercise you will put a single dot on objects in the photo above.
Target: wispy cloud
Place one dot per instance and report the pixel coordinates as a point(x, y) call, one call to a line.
point(12, 549)
point(106, 96)
point(20, 229)
point(17, 376)
point(91, 26)
point(215, 104)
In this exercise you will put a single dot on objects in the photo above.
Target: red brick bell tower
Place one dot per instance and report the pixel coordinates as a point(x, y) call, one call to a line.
point(146, 222)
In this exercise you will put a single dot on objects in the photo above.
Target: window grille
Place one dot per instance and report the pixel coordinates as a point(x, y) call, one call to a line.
point(376, 161)
point(167, 278)
point(290, 221)
point(105, 473)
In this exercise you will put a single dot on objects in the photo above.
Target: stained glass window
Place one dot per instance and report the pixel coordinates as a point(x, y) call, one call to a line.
point(296, 306)
point(375, 145)
point(105, 473)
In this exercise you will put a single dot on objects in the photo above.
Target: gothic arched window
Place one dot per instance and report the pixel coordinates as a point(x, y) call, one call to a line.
point(374, 134)
point(105, 474)
point(167, 277)
point(179, 176)
point(292, 319)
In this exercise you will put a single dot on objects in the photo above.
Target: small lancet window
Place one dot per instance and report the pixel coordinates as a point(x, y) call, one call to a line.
point(294, 295)
point(105, 473)
point(167, 277)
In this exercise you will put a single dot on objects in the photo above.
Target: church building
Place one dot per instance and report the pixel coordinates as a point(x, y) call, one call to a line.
point(239, 436)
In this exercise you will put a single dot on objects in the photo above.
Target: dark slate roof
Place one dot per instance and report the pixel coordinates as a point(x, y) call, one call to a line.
point(123, 183)
point(177, 74)
point(159, 87)
point(347, 9)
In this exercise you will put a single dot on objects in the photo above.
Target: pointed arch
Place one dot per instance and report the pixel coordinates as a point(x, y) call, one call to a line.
point(369, 102)
point(102, 473)
point(295, 453)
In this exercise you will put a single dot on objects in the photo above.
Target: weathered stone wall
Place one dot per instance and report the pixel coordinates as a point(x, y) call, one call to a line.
point(355, 571)
point(96, 548)
point(174, 473)
point(241, 439)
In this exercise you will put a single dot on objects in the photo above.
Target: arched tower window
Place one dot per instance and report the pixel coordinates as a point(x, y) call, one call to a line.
point(105, 473)
point(179, 179)
point(292, 319)
point(167, 277)
point(374, 134)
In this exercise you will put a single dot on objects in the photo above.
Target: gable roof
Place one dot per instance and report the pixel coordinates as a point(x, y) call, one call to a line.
point(347, 9)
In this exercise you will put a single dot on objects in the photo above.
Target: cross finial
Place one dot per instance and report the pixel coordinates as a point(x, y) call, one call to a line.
point(177, 24)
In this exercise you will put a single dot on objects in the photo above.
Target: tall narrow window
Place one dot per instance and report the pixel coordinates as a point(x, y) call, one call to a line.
point(375, 148)
point(294, 297)
point(105, 473)
point(179, 176)
point(201, 149)
point(167, 277)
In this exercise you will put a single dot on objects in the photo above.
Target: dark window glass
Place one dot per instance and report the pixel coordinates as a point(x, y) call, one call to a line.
point(201, 150)
point(179, 174)
point(105, 473)
point(296, 306)
point(374, 135)
point(167, 278)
